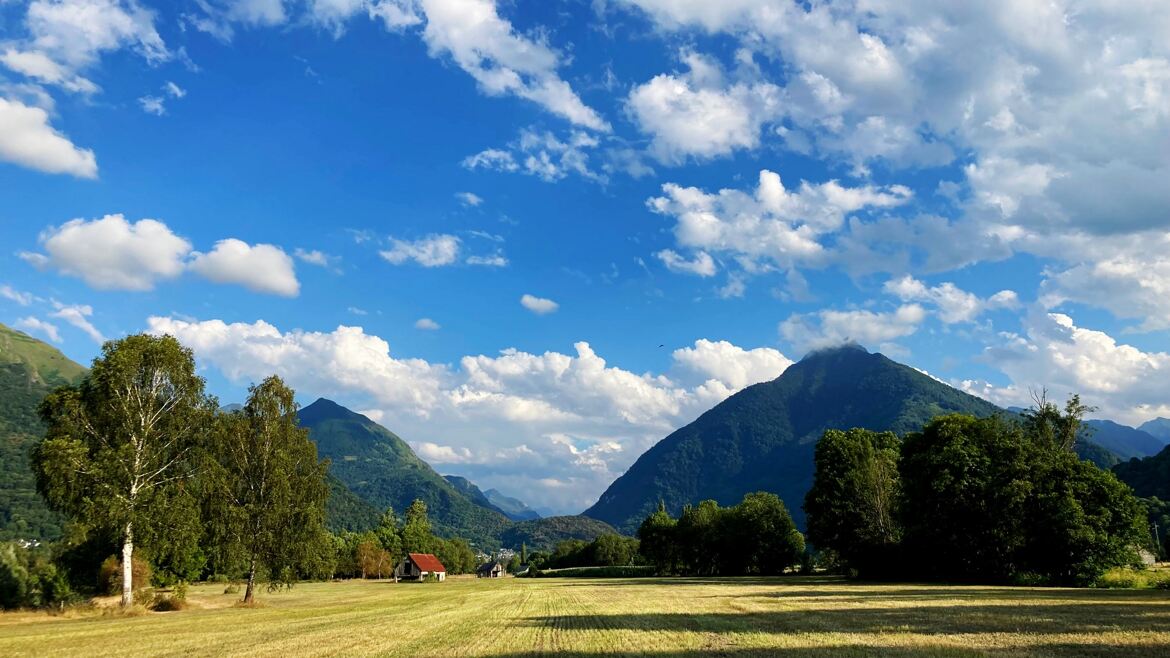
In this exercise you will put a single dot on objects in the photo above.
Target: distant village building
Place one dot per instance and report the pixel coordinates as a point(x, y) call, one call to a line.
point(1147, 558)
point(417, 566)
point(490, 570)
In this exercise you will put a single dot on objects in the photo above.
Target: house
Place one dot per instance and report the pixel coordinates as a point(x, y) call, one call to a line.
point(490, 570)
point(417, 566)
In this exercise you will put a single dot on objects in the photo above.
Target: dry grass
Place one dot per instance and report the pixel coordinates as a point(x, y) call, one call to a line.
point(817, 617)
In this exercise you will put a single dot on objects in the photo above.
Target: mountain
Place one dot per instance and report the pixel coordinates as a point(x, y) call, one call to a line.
point(513, 508)
point(762, 438)
point(1149, 476)
point(473, 493)
point(29, 369)
point(543, 534)
point(382, 470)
point(1159, 428)
point(1125, 442)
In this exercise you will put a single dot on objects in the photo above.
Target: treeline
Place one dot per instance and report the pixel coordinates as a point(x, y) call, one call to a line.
point(159, 486)
point(375, 553)
point(973, 500)
point(756, 536)
point(608, 550)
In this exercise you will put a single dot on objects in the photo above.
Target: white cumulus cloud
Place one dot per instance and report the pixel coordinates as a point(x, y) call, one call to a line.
point(262, 268)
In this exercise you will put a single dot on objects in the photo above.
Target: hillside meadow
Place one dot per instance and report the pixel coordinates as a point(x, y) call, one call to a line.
point(655, 617)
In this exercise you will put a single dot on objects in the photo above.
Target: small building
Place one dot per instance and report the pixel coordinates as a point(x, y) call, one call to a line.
point(1148, 559)
point(490, 570)
point(417, 566)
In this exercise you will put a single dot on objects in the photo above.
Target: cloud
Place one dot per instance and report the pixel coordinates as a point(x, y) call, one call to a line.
point(155, 105)
point(1053, 352)
point(538, 305)
point(701, 265)
point(312, 257)
point(426, 324)
point(830, 327)
point(36, 325)
point(27, 139)
point(695, 115)
point(469, 199)
point(434, 250)
point(494, 260)
point(544, 155)
point(112, 254)
point(514, 420)
point(262, 268)
point(39, 67)
point(771, 225)
point(954, 304)
point(78, 316)
point(22, 298)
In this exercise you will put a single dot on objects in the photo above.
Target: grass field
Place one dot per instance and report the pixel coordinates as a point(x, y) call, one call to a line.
point(817, 617)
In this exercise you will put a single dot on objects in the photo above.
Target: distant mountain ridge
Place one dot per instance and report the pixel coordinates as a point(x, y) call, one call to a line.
point(762, 438)
point(514, 508)
point(1123, 441)
point(1159, 428)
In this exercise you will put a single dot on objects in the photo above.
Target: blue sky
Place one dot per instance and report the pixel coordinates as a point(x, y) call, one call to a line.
point(479, 220)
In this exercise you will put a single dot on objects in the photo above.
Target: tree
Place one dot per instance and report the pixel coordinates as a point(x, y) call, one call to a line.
point(266, 486)
point(121, 442)
point(416, 532)
point(523, 553)
point(852, 504)
point(698, 539)
point(388, 533)
point(658, 540)
point(373, 560)
point(770, 542)
point(513, 565)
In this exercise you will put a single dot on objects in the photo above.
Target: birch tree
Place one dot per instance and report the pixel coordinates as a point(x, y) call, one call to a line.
point(121, 442)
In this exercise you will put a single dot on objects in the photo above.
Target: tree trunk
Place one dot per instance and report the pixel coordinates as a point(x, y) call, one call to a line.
point(251, 581)
point(128, 567)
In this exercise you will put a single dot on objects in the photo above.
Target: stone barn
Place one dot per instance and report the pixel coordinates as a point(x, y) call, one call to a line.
point(417, 566)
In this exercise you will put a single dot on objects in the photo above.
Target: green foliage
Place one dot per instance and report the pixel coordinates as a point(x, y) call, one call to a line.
point(345, 510)
point(382, 470)
point(513, 565)
point(634, 571)
point(29, 370)
point(416, 530)
point(1131, 578)
point(1158, 515)
point(757, 537)
point(29, 579)
point(762, 438)
point(543, 534)
point(388, 533)
point(109, 579)
point(456, 555)
point(1149, 477)
point(852, 505)
point(988, 500)
point(657, 537)
point(264, 489)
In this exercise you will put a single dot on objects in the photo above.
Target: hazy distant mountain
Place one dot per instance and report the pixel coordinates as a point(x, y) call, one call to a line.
point(1123, 441)
point(513, 508)
point(762, 438)
point(29, 369)
point(382, 470)
point(1159, 428)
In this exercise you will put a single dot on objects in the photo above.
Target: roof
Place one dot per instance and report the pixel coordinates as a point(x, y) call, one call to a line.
point(426, 562)
point(490, 566)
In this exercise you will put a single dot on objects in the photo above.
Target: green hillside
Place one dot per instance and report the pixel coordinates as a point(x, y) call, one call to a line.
point(29, 369)
point(1123, 441)
point(762, 438)
point(543, 534)
point(382, 470)
point(1149, 477)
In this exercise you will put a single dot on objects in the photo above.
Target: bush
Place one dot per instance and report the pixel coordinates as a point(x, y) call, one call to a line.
point(144, 596)
point(232, 588)
point(110, 575)
point(163, 603)
point(29, 580)
point(180, 590)
point(1128, 578)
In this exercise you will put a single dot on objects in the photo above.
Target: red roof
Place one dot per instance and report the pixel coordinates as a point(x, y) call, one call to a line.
point(427, 562)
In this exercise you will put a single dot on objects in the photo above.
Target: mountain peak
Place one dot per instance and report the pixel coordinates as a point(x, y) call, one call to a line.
point(848, 348)
point(325, 409)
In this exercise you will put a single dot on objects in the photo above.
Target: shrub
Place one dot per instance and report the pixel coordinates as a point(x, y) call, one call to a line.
point(144, 596)
point(232, 588)
point(110, 575)
point(180, 590)
point(163, 603)
point(1129, 578)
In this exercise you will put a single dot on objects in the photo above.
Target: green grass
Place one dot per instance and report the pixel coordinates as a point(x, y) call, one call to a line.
point(817, 617)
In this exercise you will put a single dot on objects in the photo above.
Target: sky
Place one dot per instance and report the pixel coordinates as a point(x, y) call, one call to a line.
point(534, 237)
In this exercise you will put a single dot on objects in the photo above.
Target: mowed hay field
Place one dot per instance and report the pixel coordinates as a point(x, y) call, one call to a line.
point(655, 617)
